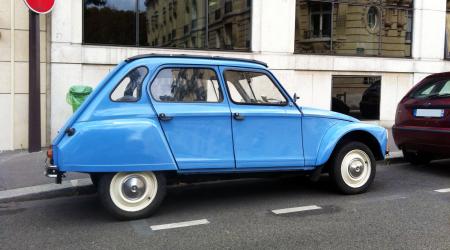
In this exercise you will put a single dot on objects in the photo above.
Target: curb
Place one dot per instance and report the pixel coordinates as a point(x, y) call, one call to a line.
point(66, 188)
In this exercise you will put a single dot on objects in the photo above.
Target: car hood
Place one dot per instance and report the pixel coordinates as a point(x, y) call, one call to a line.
point(327, 114)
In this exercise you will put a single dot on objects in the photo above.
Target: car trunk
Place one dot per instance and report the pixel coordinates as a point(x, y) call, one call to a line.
point(425, 113)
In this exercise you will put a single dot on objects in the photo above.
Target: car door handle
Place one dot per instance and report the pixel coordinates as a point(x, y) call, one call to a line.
point(164, 117)
point(238, 116)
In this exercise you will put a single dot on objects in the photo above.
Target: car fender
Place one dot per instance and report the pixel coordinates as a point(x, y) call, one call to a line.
point(115, 145)
point(336, 132)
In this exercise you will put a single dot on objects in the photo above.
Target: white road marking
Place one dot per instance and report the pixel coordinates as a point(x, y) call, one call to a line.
point(18, 192)
point(445, 190)
point(295, 209)
point(180, 224)
point(394, 197)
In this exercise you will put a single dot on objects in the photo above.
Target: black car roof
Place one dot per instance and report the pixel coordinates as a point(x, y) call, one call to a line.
point(133, 58)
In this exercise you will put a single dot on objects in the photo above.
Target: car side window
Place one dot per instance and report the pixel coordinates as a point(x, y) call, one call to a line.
point(253, 88)
point(186, 85)
point(129, 89)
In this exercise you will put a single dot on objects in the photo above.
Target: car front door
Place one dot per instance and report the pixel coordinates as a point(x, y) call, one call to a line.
point(195, 116)
point(266, 124)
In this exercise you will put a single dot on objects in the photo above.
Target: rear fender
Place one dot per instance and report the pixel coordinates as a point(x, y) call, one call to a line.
point(115, 145)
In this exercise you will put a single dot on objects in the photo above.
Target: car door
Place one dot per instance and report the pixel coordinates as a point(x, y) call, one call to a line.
point(266, 124)
point(194, 116)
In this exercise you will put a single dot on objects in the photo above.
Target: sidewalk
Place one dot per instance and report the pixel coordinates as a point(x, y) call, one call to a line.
point(20, 169)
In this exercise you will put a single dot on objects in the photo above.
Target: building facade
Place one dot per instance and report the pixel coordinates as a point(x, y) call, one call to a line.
point(353, 56)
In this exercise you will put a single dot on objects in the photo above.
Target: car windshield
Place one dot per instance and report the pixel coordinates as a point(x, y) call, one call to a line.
point(435, 89)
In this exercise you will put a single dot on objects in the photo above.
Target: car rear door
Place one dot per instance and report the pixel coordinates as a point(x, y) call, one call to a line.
point(266, 124)
point(194, 115)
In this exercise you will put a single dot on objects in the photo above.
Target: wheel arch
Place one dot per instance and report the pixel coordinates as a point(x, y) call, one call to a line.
point(373, 136)
point(364, 137)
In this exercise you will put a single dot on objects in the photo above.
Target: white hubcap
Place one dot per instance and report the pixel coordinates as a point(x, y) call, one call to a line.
point(356, 168)
point(133, 192)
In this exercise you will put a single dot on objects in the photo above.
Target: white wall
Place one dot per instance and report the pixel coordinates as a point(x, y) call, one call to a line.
point(273, 31)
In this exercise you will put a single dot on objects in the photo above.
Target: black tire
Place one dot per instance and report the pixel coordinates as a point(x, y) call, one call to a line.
point(95, 178)
point(104, 191)
point(336, 175)
point(416, 158)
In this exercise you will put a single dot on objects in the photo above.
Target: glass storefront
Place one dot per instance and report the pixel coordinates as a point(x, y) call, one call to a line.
point(109, 22)
point(357, 96)
point(354, 27)
point(196, 24)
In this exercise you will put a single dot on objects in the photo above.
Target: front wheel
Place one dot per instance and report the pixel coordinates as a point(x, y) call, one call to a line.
point(353, 168)
point(132, 195)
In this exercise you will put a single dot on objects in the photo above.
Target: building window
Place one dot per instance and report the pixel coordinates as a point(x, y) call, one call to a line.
point(109, 22)
point(357, 96)
point(229, 25)
point(363, 27)
point(148, 23)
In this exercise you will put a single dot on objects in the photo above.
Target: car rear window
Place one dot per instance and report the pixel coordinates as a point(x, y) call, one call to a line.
point(129, 88)
point(434, 89)
point(186, 85)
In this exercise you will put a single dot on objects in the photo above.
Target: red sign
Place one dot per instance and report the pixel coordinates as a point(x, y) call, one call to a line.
point(40, 6)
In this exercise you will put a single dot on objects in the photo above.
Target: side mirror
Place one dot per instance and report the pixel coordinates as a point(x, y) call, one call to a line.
point(295, 97)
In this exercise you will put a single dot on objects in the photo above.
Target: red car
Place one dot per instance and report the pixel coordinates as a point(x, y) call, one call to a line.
point(422, 121)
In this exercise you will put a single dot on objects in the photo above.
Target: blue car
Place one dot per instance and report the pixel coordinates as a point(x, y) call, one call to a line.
point(159, 118)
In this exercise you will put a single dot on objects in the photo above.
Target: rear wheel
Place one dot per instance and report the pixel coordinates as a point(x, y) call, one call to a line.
point(416, 158)
point(352, 168)
point(132, 195)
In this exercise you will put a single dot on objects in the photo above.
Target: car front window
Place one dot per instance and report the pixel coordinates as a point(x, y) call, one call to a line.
point(253, 88)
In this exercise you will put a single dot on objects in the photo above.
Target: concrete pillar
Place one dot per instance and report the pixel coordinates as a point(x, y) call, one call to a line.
point(429, 29)
point(273, 26)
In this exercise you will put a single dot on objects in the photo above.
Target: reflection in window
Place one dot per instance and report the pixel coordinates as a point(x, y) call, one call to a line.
point(109, 22)
point(215, 24)
point(129, 89)
point(176, 24)
point(253, 88)
point(354, 27)
point(320, 20)
point(229, 25)
point(372, 18)
point(357, 96)
point(186, 85)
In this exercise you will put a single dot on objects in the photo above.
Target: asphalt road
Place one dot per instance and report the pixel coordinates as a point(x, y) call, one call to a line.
point(402, 210)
